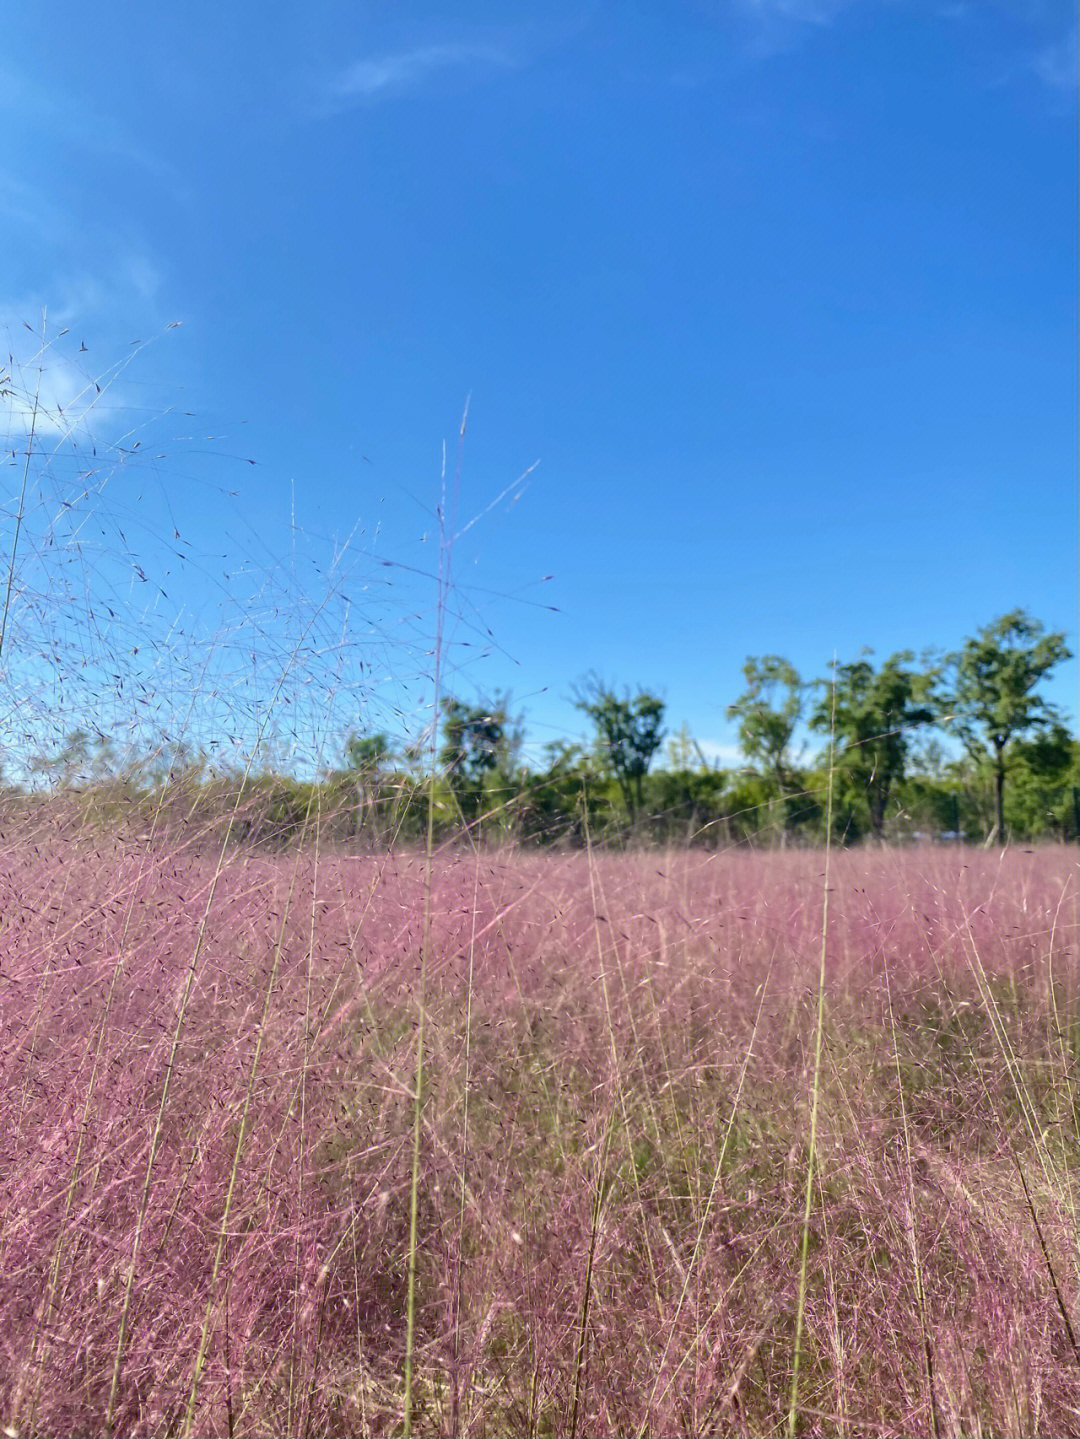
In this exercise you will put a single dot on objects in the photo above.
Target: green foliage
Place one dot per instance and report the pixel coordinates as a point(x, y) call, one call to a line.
point(1043, 792)
point(685, 805)
point(991, 693)
point(768, 711)
point(629, 731)
point(277, 810)
point(682, 752)
point(368, 788)
point(1019, 766)
point(749, 807)
point(555, 801)
point(368, 754)
point(871, 714)
point(83, 759)
point(478, 740)
point(946, 799)
point(480, 745)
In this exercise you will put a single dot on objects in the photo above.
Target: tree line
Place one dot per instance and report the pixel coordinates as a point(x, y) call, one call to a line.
point(959, 746)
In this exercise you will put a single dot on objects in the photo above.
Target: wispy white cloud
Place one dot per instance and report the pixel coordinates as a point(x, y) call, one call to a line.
point(51, 381)
point(74, 121)
point(30, 207)
point(803, 12)
point(43, 390)
point(124, 282)
point(143, 276)
point(776, 26)
point(403, 72)
point(1056, 64)
point(72, 256)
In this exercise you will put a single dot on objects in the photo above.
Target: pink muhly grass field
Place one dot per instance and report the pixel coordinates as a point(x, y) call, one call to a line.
point(615, 1136)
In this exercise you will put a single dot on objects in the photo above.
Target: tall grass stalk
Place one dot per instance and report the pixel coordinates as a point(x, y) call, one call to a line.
point(20, 512)
point(301, 1167)
point(819, 1029)
point(581, 1352)
point(463, 1159)
point(1014, 1070)
point(443, 585)
point(174, 1049)
point(596, 891)
point(911, 1222)
point(146, 866)
point(600, 1185)
point(718, 1171)
point(223, 1232)
point(1065, 1192)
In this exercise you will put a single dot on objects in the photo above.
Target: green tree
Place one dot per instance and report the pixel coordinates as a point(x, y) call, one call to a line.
point(748, 803)
point(82, 759)
point(685, 804)
point(1044, 785)
point(481, 744)
point(941, 793)
point(366, 779)
point(629, 731)
point(872, 714)
point(768, 711)
point(682, 753)
point(368, 754)
point(566, 757)
point(558, 800)
point(991, 693)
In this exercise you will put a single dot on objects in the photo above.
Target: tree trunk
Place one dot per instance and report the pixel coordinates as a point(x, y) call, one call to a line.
point(999, 794)
point(626, 788)
point(784, 788)
point(877, 803)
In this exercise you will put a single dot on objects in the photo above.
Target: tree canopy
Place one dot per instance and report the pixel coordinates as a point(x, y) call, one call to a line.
point(990, 692)
point(629, 731)
point(871, 714)
point(1011, 769)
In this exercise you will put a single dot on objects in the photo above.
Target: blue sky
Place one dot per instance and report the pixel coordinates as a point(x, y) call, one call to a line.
point(778, 297)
